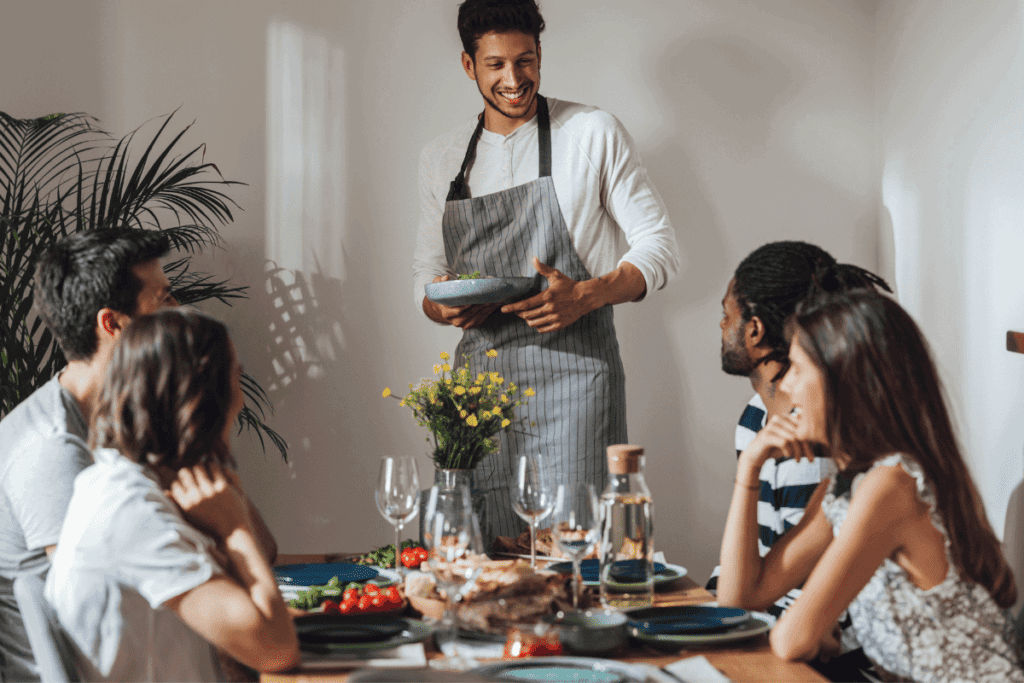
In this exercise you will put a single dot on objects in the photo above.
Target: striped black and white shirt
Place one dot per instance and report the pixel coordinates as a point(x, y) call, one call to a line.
point(786, 485)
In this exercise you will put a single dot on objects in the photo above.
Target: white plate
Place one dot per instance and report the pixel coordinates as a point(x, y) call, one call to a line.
point(559, 669)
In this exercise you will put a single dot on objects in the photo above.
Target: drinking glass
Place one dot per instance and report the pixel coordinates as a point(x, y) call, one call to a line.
point(455, 558)
point(532, 497)
point(575, 522)
point(398, 496)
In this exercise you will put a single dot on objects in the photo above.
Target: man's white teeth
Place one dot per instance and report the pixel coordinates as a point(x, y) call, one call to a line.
point(513, 95)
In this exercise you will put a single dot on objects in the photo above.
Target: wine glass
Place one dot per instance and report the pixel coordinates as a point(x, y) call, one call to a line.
point(575, 519)
point(454, 557)
point(532, 498)
point(398, 496)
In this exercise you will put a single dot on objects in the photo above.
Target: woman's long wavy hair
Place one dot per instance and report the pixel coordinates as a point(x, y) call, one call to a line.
point(883, 396)
point(167, 392)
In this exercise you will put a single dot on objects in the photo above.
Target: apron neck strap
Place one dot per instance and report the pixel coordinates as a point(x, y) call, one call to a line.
point(543, 136)
point(458, 190)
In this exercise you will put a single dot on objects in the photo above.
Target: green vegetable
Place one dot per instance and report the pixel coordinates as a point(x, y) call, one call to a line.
point(472, 276)
point(383, 556)
point(311, 599)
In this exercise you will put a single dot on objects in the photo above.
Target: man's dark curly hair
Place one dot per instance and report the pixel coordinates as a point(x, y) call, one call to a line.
point(86, 272)
point(477, 17)
point(773, 279)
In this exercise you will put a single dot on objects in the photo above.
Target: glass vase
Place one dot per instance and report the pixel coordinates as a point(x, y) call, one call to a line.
point(450, 480)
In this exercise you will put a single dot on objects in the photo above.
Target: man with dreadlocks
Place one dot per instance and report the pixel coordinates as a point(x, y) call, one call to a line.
point(764, 291)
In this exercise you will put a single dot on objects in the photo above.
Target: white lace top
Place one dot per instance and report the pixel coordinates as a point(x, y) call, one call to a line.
point(953, 631)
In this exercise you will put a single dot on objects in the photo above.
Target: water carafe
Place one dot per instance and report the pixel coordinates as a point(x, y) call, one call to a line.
point(627, 525)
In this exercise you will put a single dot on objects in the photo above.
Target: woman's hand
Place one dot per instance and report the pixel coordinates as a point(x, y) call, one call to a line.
point(209, 501)
point(777, 439)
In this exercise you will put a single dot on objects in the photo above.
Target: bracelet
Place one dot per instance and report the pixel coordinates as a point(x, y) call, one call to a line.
point(744, 486)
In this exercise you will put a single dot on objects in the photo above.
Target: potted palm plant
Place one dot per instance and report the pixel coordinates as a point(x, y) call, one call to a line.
point(60, 174)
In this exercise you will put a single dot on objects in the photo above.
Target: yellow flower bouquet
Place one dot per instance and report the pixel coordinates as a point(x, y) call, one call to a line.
point(463, 413)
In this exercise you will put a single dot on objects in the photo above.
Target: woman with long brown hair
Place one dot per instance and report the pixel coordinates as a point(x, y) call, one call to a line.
point(899, 536)
point(159, 561)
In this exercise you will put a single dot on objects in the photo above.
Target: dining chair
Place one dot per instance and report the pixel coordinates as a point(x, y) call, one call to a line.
point(51, 648)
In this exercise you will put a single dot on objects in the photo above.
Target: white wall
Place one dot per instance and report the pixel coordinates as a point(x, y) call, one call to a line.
point(756, 120)
point(951, 127)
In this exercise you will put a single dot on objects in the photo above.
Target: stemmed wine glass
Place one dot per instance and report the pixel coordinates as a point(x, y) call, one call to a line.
point(575, 521)
point(455, 558)
point(398, 496)
point(532, 497)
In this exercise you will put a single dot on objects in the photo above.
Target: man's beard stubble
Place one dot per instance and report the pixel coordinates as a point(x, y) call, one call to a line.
point(736, 360)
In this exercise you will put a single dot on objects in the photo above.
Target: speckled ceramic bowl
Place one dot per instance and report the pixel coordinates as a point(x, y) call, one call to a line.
point(488, 290)
point(591, 632)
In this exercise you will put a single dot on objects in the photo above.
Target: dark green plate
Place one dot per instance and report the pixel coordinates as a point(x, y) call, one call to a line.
point(327, 633)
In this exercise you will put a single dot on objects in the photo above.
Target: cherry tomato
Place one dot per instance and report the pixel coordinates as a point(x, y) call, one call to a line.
point(331, 607)
point(350, 594)
point(392, 595)
point(371, 589)
point(349, 606)
point(378, 603)
point(413, 556)
point(364, 603)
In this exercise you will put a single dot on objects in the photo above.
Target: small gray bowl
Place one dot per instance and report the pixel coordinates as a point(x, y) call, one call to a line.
point(590, 632)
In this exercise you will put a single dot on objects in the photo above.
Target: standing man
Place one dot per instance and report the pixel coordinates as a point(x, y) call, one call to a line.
point(88, 287)
point(764, 291)
point(555, 190)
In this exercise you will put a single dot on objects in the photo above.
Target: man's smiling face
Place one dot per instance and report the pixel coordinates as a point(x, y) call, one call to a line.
point(506, 69)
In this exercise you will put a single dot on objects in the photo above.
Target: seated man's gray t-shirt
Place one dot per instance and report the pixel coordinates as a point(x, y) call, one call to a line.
point(42, 450)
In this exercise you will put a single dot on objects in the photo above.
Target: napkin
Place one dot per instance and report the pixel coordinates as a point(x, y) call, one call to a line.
point(696, 670)
point(408, 656)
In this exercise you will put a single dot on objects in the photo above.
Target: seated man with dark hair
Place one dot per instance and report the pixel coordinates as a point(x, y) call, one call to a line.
point(88, 286)
point(764, 291)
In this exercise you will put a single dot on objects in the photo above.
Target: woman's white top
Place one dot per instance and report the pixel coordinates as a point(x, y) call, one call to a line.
point(953, 631)
point(124, 551)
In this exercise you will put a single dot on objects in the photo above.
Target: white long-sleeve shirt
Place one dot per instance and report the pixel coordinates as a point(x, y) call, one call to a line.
point(611, 209)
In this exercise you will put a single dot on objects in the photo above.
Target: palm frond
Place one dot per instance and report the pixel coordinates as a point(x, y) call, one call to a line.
point(60, 174)
point(190, 287)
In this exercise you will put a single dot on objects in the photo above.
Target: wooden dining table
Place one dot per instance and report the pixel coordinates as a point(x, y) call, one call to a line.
point(742, 661)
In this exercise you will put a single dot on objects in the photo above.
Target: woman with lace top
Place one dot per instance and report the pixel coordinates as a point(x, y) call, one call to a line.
point(899, 536)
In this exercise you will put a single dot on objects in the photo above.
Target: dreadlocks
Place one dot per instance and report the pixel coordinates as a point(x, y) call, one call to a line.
point(772, 280)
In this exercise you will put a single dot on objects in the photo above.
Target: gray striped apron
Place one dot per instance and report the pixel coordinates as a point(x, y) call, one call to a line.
point(580, 405)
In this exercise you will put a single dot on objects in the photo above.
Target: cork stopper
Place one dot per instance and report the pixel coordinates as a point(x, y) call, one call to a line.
point(624, 459)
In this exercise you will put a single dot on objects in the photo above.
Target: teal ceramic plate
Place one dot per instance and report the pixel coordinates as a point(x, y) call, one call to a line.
point(488, 290)
point(748, 629)
point(663, 573)
point(564, 670)
point(323, 634)
point(686, 619)
point(319, 573)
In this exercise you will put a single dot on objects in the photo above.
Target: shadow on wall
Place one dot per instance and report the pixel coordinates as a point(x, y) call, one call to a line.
point(731, 87)
point(315, 340)
point(719, 94)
